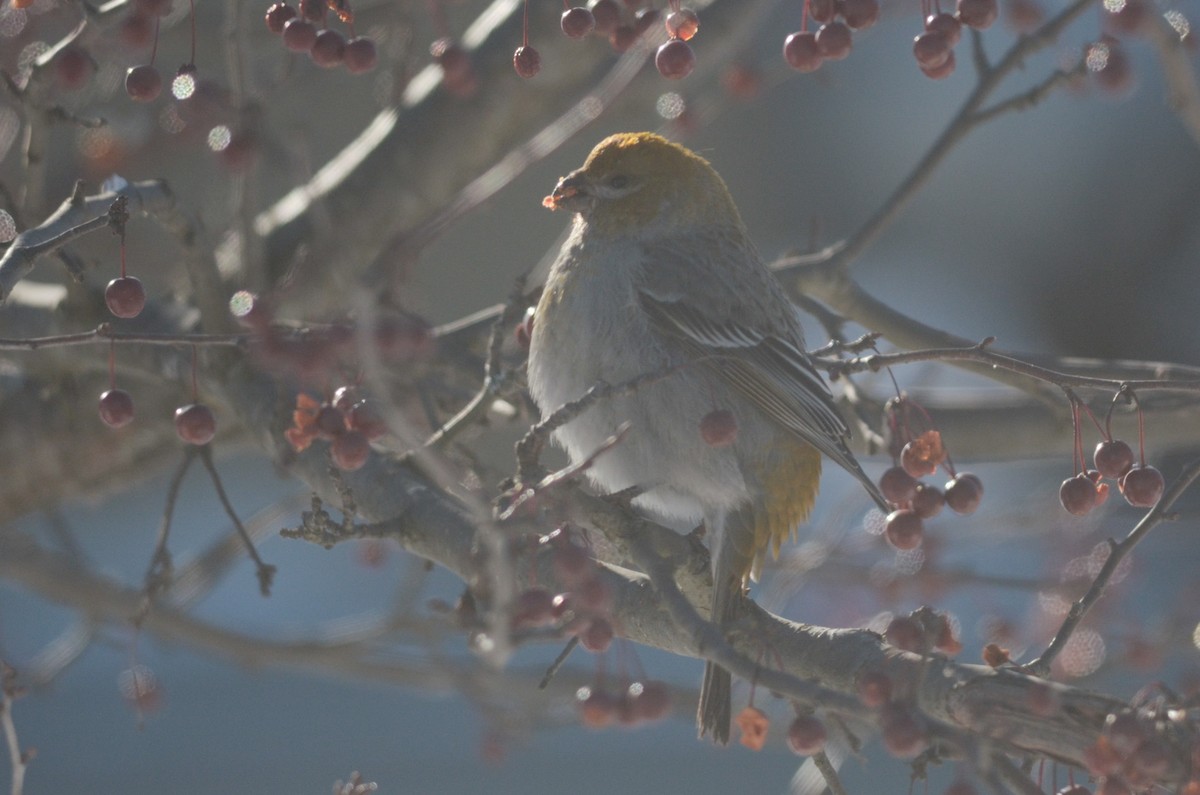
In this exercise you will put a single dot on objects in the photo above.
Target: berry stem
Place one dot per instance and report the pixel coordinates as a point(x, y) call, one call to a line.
point(525, 26)
point(195, 392)
point(122, 254)
point(1141, 434)
point(154, 47)
point(804, 27)
point(1077, 453)
point(112, 365)
point(192, 16)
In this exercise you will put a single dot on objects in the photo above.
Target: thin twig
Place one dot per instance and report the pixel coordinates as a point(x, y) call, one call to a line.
point(829, 773)
point(266, 572)
point(158, 574)
point(104, 333)
point(18, 760)
point(558, 662)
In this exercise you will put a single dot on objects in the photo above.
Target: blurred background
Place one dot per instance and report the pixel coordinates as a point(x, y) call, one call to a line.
point(1069, 228)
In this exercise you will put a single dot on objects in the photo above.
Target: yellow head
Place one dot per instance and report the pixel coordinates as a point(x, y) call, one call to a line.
point(636, 181)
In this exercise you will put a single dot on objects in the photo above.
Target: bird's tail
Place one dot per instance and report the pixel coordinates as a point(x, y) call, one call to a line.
point(715, 712)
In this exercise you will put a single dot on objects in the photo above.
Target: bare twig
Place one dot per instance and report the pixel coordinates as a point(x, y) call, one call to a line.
point(266, 572)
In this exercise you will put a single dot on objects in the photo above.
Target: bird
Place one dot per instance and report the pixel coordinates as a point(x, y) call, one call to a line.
point(658, 274)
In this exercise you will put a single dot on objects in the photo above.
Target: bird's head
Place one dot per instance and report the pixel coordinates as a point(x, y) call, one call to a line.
point(642, 181)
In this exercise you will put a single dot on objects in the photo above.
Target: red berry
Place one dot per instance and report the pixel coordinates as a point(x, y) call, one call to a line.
point(195, 423)
point(904, 529)
point(596, 636)
point(682, 24)
point(964, 493)
point(571, 563)
point(653, 702)
point(607, 15)
point(978, 14)
point(931, 50)
point(1142, 486)
point(278, 15)
point(1078, 495)
point(454, 60)
point(942, 71)
point(800, 51)
point(299, 34)
point(597, 708)
point(946, 24)
point(806, 735)
point(860, 14)
point(72, 68)
point(328, 48)
point(312, 10)
point(903, 734)
point(1024, 15)
point(116, 408)
point(363, 418)
point(874, 688)
point(527, 61)
point(344, 398)
point(928, 500)
point(834, 40)
point(898, 486)
point(534, 607)
point(329, 423)
point(822, 10)
point(919, 457)
point(1109, 64)
point(143, 83)
point(905, 632)
point(623, 37)
point(675, 59)
point(1129, 16)
point(350, 451)
point(719, 428)
point(595, 595)
point(360, 55)
point(1113, 458)
point(125, 296)
point(577, 22)
point(136, 30)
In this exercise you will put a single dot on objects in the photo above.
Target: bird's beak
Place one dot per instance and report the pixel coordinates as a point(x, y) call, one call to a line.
point(571, 193)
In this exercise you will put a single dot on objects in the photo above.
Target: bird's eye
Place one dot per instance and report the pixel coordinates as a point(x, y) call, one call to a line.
point(619, 181)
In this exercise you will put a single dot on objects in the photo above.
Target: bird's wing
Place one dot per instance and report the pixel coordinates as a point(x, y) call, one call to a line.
point(767, 368)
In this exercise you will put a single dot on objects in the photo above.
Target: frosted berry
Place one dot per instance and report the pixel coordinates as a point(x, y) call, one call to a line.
point(299, 34)
point(682, 24)
point(1142, 486)
point(116, 408)
point(978, 14)
point(527, 61)
point(577, 22)
point(125, 296)
point(1113, 458)
point(801, 53)
point(860, 14)
point(719, 428)
point(143, 83)
point(834, 40)
point(360, 55)
point(350, 451)
point(675, 59)
point(328, 49)
point(806, 735)
point(195, 423)
point(1078, 495)
point(964, 493)
point(904, 529)
point(278, 15)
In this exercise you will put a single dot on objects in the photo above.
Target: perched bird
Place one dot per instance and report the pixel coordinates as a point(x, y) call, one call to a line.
point(658, 275)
